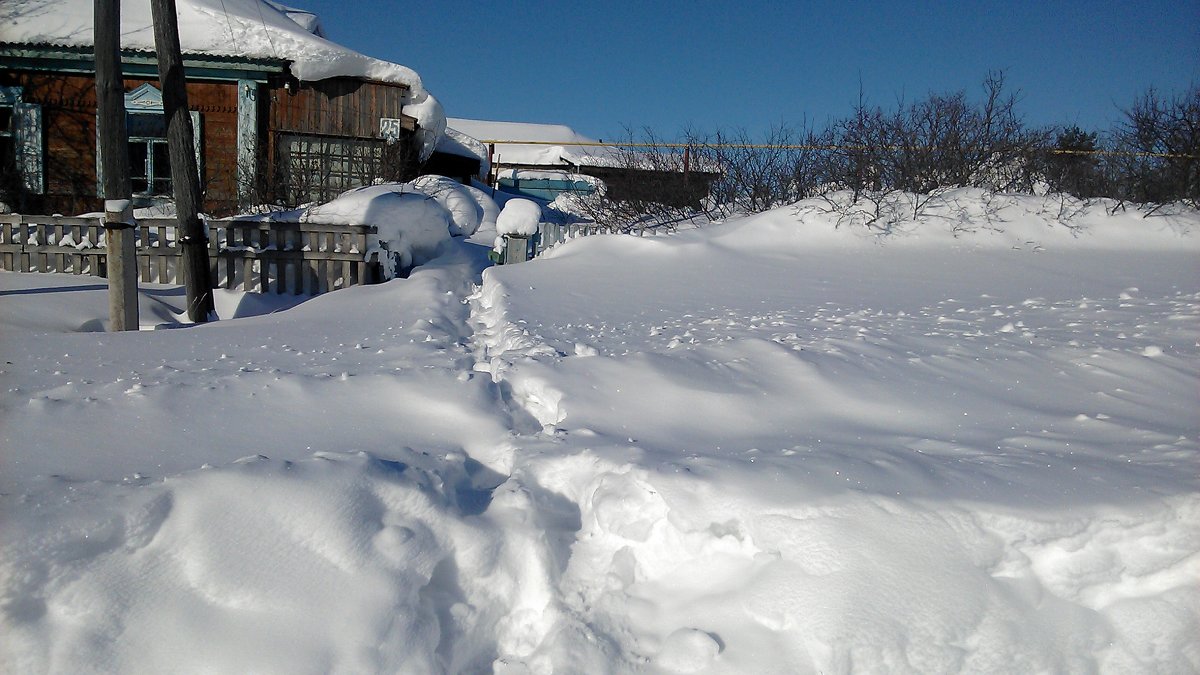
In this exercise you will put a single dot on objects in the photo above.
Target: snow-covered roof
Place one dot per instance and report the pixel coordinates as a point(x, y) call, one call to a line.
point(555, 144)
point(247, 28)
point(254, 29)
point(455, 142)
point(309, 21)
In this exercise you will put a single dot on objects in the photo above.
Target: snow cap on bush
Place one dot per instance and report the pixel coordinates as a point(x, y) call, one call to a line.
point(519, 217)
point(465, 209)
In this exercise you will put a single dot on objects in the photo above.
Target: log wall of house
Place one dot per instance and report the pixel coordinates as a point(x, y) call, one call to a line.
point(335, 109)
point(342, 107)
point(69, 121)
point(339, 108)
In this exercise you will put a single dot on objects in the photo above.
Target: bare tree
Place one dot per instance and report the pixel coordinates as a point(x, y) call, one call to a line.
point(1158, 150)
point(647, 182)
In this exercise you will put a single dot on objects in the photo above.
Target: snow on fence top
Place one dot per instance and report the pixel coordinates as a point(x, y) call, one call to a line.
point(235, 28)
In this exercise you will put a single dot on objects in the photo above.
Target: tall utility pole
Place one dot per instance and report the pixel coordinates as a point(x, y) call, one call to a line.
point(185, 176)
point(114, 152)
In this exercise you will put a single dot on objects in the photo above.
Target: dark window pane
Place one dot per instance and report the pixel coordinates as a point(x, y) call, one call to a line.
point(162, 169)
point(6, 120)
point(137, 160)
point(147, 126)
point(162, 161)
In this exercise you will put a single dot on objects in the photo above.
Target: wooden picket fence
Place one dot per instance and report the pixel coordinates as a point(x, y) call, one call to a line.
point(550, 235)
point(253, 256)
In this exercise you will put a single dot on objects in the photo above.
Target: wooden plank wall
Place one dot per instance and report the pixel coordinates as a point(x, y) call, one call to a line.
point(69, 119)
point(342, 107)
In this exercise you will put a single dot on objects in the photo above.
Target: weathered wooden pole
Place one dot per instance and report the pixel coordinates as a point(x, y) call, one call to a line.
point(114, 153)
point(185, 176)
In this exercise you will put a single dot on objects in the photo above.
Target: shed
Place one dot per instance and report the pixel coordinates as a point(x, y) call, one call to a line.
point(555, 158)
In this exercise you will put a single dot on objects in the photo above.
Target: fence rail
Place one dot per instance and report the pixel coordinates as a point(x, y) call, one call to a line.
point(550, 235)
point(253, 256)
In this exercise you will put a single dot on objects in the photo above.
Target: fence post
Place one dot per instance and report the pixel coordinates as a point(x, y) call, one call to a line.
point(122, 265)
point(516, 249)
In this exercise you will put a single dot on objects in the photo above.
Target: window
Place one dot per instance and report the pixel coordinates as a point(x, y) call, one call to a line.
point(316, 168)
point(21, 156)
point(149, 164)
point(8, 146)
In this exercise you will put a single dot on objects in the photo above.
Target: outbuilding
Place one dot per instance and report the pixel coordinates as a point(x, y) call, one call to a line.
point(546, 160)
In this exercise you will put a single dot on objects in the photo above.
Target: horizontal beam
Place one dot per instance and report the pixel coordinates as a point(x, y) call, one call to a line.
point(811, 146)
point(138, 64)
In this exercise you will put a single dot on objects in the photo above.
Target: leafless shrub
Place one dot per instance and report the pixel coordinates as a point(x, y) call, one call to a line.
point(1158, 150)
point(780, 168)
point(647, 183)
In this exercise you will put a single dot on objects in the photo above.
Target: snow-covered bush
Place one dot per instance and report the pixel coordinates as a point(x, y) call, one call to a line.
point(465, 209)
point(488, 208)
point(520, 218)
point(410, 225)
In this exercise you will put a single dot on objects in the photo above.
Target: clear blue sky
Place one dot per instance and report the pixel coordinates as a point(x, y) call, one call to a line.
point(600, 66)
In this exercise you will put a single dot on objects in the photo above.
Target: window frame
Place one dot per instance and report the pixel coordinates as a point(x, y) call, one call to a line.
point(28, 145)
point(317, 168)
point(147, 99)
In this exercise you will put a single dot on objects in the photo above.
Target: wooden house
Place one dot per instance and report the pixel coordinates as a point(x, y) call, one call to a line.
point(275, 125)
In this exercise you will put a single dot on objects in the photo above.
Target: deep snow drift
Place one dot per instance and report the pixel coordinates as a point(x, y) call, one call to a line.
point(773, 445)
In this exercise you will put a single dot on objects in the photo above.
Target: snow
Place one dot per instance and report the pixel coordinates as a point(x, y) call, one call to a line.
point(556, 144)
point(412, 221)
point(454, 142)
point(519, 217)
point(465, 204)
point(237, 28)
point(787, 443)
point(304, 18)
point(535, 174)
point(409, 224)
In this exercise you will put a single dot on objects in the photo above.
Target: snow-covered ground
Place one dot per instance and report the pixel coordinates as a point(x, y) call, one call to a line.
point(773, 445)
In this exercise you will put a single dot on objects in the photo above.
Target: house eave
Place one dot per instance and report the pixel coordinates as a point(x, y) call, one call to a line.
point(63, 59)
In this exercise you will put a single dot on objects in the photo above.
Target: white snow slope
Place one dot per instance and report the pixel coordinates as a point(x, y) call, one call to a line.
point(769, 446)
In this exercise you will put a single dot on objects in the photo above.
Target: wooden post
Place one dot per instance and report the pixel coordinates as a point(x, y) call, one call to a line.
point(185, 176)
point(516, 249)
point(114, 152)
point(491, 177)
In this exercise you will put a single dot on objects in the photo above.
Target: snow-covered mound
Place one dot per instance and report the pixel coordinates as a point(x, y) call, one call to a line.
point(489, 208)
point(519, 217)
point(465, 204)
point(412, 220)
point(410, 224)
point(246, 28)
point(784, 444)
